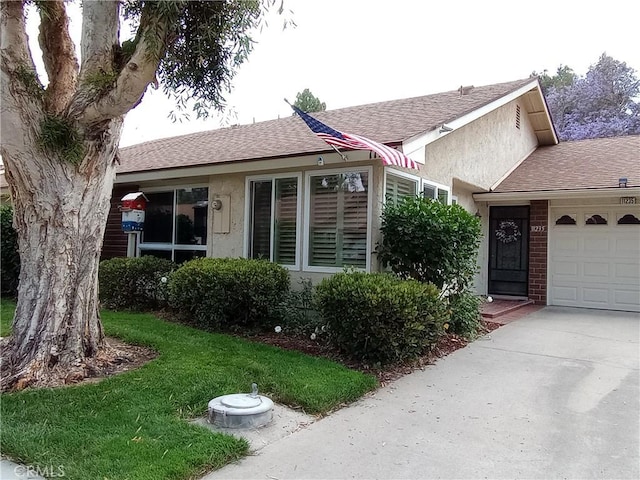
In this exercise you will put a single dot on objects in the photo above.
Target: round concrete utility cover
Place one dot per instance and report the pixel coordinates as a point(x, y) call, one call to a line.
point(240, 401)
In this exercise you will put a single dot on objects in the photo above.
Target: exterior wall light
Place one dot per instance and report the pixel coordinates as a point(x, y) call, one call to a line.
point(622, 182)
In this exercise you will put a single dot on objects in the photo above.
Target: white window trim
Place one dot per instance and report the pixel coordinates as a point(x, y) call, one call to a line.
point(437, 185)
point(170, 247)
point(307, 215)
point(399, 173)
point(247, 213)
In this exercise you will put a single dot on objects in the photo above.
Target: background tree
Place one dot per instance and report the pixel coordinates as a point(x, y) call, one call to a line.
point(564, 77)
point(307, 102)
point(59, 147)
point(603, 103)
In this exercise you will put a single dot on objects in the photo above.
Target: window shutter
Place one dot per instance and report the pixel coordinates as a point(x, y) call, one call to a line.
point(354, 227)
point(323, 221)
point(398, 188)
point(260, 245)
point(338, 223)
point(284, 251)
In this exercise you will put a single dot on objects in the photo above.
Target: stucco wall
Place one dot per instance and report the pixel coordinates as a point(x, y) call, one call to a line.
point(483, 151)
point(464, 193)
point(227, 244)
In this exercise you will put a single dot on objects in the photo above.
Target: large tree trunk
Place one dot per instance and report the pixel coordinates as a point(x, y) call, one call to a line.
point(60, 216)
point(61, 200)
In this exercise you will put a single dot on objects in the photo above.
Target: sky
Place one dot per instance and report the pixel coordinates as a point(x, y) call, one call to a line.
point(353, 52)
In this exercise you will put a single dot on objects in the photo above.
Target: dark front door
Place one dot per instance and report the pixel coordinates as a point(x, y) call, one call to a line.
point(508, 251)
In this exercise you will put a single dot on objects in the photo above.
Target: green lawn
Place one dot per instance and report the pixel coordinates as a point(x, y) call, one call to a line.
point(133, 426)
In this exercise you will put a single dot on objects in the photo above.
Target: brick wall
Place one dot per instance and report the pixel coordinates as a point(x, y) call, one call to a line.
point(115, 240)
point(539, 230)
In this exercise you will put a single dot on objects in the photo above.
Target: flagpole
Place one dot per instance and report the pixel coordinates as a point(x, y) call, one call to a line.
point(342, 155)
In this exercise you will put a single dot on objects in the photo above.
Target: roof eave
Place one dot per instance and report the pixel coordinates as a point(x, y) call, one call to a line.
point(552, 194)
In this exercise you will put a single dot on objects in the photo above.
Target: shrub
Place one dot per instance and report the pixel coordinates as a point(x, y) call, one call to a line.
point(135, 283)
point(297, 311)
point(227, 293)
point(10, 258)
point(379, 318)
point(465, 314)
point(430, 242)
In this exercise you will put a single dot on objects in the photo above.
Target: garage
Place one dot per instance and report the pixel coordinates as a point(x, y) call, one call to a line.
point(594, 257)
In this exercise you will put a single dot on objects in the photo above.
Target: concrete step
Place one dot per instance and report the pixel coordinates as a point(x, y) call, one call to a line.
point(500, 307)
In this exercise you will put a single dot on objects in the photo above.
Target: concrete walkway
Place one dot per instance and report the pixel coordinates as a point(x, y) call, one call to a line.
point(552, 395)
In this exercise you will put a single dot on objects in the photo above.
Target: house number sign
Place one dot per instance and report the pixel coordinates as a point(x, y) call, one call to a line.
point(627, 200)
point(538, 228)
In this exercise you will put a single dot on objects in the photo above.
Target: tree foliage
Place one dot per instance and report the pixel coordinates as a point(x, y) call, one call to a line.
point(308, 102)
point(602, 103)
point(207, 42)
point(430, 242)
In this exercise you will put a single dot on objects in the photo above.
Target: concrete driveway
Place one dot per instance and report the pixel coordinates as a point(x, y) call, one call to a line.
point(552, 395)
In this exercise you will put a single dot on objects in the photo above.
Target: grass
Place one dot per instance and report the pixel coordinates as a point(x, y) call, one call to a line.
point(134, 425)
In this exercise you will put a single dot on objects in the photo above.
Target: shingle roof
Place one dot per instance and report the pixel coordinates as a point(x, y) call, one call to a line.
point(388, 122)
point(581, 164)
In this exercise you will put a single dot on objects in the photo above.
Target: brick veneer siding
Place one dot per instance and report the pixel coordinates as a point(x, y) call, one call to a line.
point(115, 240)
point(539, 215)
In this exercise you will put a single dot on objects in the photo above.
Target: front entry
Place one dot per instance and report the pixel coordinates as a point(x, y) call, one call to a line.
point(509, 251)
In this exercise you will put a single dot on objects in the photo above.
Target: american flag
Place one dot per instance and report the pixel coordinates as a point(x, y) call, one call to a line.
point(389, 156)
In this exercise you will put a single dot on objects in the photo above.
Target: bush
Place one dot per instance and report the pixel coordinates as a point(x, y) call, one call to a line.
point(228, 293)
point(10, 258)
point(465, 314)
point(135, 283)
point(297, 312)
point(430, 242)
point(379, 318)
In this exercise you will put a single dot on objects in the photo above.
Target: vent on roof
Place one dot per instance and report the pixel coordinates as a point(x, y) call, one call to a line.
point(465, 90)
point(518, 117)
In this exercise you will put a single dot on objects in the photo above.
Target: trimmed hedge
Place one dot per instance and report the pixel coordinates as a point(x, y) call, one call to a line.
point(466, 314)
point(135, 283)
point(10, 258)
point(227, 293)
point(379, 318)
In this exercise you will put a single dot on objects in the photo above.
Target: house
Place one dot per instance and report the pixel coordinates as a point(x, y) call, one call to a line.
point(285, 195)
point(274, 190)
point(579, 202)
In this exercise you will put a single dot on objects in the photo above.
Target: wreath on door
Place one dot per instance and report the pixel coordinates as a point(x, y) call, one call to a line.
point(508, 231)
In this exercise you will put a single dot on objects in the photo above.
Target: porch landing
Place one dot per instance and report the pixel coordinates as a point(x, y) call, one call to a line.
point(505, 311)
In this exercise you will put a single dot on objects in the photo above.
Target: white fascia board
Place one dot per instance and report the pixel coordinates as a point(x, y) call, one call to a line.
point(418, 142)
point(553, 194)
point(248, 167)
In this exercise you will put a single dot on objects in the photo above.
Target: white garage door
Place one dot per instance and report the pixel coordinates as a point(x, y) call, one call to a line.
point(594, 257)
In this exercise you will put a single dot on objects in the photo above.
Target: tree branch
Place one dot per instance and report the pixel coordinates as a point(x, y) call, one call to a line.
point(14, 44)
point(20, 90)
point(58, 54)
point(139, 71)
point(100, 31)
